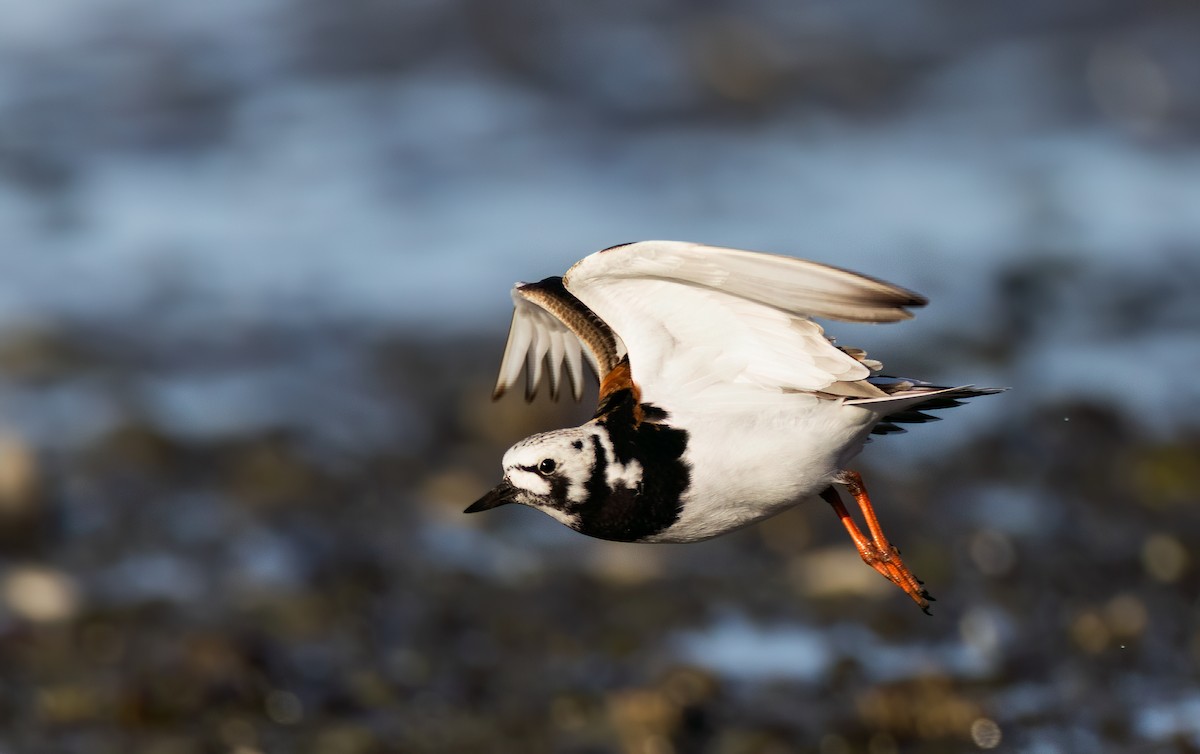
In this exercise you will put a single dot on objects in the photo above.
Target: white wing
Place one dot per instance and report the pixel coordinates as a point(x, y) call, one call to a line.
point(551, 327)
point(706, 320)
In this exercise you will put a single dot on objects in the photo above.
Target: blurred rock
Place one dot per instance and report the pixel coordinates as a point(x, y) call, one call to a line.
point(986, 733)
point(1089, 632)
point(666, 718)
point(623, 564)
point(40, 594)
point(41, 353)
point(836, 571)
point(133, 449)
point(69, 704)
point(24, 517)
point(345, 738)
point(992, 552)
point(451, 490)
point(1168, 475)
point(1126, 616)
point(284, 708)
point(922, 709)
point(19, 478)
point(1164, 557)
point(270, 472)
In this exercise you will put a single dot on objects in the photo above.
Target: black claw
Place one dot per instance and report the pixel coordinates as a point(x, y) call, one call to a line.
point(926, 611)
point(922, 583)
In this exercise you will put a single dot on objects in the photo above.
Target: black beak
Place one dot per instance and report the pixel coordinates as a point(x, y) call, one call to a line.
point(501, 494)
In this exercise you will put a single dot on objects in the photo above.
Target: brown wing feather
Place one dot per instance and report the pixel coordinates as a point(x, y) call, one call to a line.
point(552, 295)
point(551, 327)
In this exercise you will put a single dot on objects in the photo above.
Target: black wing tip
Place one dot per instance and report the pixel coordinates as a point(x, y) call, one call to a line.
point(907, 300)
point(885, 295)
point(914, 299)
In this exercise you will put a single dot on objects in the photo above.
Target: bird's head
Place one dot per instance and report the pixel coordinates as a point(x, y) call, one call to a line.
point(548, 471)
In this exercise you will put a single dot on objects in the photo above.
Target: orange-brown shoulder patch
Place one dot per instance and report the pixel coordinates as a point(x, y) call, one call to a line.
point(620, 378)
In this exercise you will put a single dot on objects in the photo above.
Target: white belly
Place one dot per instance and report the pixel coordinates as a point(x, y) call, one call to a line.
point(747, 465)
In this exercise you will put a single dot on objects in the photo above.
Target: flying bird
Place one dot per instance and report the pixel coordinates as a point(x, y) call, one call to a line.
point(721, 401)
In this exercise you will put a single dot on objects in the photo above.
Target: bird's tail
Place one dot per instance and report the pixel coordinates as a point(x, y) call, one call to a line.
point(908, 399)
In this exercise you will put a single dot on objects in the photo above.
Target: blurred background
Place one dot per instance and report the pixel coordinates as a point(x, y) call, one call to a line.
point(254, 269)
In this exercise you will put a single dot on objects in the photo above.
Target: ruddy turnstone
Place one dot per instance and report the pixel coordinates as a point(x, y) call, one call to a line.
point(721, 402)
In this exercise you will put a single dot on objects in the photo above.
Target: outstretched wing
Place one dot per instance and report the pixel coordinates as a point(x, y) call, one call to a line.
point(550, 326)
point(728, 324)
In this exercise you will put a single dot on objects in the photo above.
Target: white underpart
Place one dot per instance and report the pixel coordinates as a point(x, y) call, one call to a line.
point(747, 465)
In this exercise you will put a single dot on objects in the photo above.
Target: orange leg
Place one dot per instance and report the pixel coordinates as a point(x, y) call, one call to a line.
point(875, 550)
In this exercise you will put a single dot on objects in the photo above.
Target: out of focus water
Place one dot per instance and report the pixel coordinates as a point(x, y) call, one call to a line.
point(254, 261)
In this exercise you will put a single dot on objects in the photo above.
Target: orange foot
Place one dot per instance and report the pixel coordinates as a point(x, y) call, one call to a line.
point(875, 551)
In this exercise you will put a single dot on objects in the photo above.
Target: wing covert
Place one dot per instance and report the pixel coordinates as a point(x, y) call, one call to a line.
point(733, 325)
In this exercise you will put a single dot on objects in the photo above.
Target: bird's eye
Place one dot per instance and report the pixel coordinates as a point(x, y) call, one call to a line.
point(547, 466)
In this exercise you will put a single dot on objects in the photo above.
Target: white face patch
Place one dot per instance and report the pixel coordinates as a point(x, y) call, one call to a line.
point(529, 481)
point(553, 468)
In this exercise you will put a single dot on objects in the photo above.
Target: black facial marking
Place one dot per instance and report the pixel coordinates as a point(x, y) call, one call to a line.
point(578, 445)
point(628, 514)
point(597, 487)
point(558, 484)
